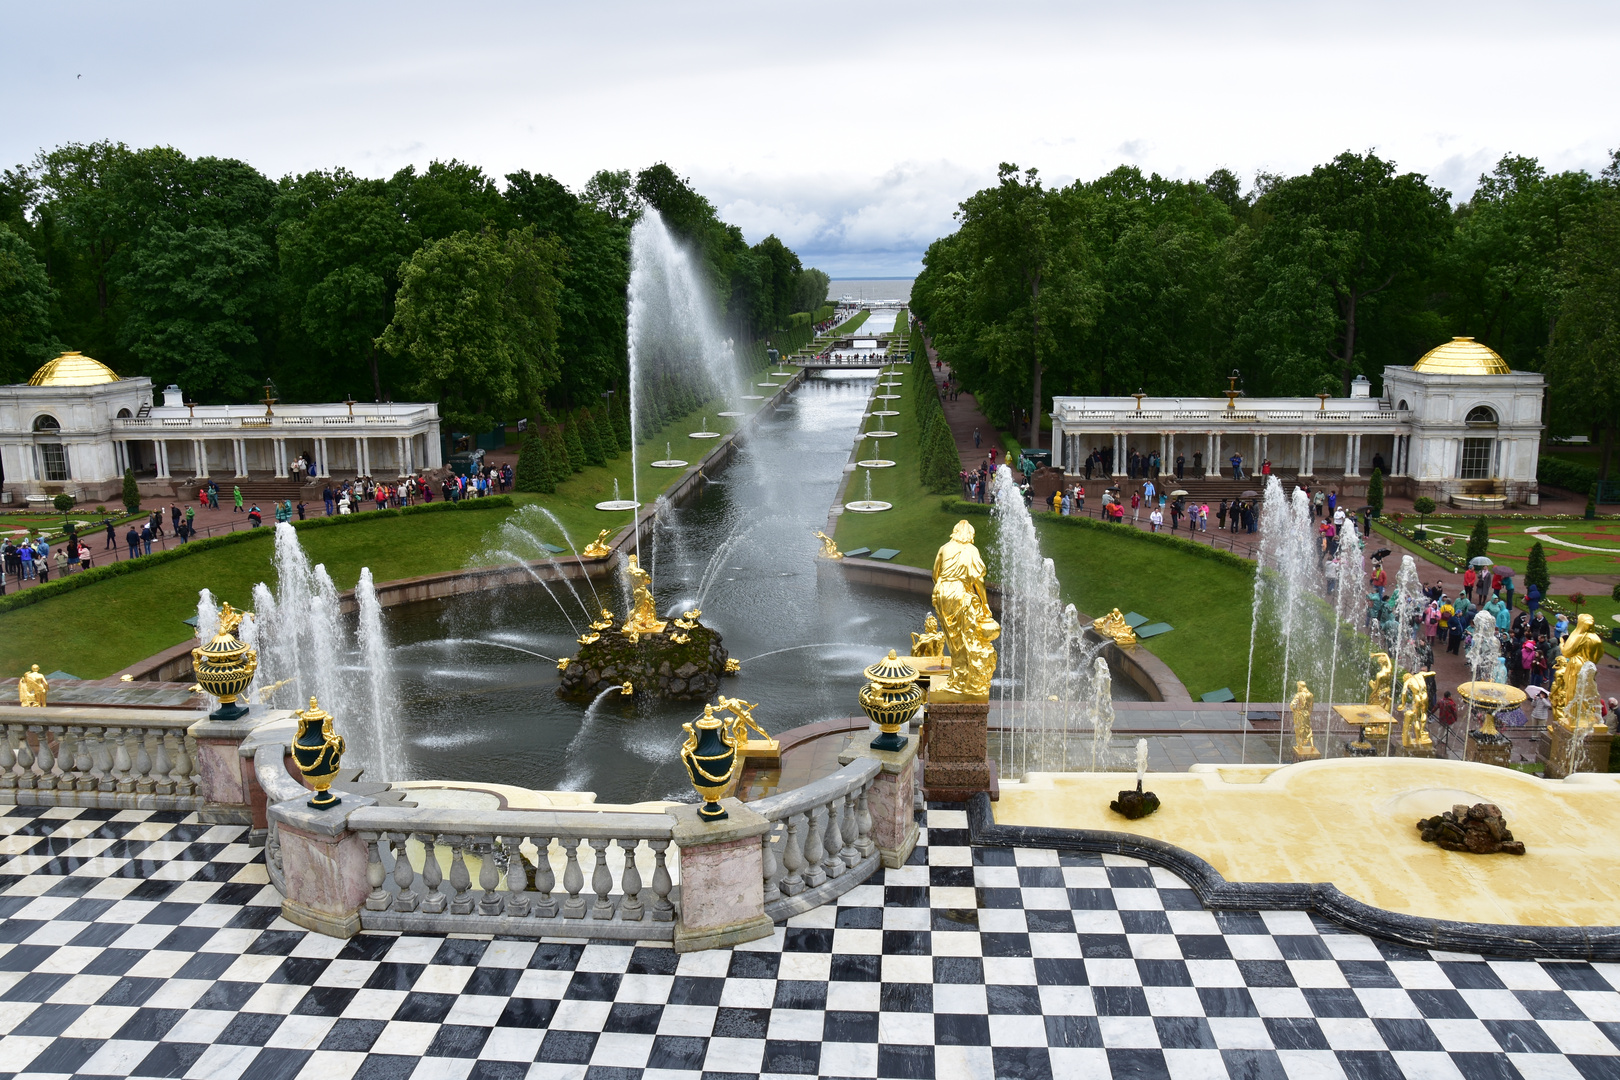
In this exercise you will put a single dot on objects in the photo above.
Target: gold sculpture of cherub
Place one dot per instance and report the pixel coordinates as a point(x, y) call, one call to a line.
point(931, 642)
point(1380, 688)
point(829, 549)
point(598, 548)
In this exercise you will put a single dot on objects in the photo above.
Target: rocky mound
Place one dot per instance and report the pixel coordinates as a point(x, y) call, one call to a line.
point(1479, 829)
point(654, 664)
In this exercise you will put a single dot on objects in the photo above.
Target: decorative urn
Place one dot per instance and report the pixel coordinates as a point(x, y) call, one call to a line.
point(224, 667)
point(316, 751)
point(710, 757)
point(890, 698)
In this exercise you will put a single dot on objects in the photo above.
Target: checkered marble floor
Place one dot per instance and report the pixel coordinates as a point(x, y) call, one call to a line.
point(147, 944)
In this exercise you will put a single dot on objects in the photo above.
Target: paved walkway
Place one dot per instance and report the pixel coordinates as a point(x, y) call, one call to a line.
point(147, 944)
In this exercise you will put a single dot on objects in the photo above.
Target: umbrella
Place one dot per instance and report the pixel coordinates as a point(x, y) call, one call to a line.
point(1535, 691)
point(1178, 493)
point(1249, 495)
point(1381, 553)
point(1503, 570)
point(1480, 560)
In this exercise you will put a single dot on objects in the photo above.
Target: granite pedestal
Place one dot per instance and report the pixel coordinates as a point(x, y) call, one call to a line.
point(956, 761)
point(1558, 756)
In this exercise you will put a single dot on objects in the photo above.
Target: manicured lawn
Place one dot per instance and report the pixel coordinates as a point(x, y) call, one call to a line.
point(1572, 547)
point(1602, 608)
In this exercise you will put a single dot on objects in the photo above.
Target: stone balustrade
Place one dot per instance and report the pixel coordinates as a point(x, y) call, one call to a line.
point(819, 844)
point(110, 758)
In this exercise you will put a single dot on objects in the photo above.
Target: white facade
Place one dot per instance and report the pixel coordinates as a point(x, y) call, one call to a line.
point(1467, 438)
point(79, 439)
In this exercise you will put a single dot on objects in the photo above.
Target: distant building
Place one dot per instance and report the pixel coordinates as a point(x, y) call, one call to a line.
point(76, 426)
point(1459, 426)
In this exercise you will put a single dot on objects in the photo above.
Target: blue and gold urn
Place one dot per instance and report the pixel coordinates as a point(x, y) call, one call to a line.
point(317, 751)
point(890, 698)
point(710, 757)
point(224, 667)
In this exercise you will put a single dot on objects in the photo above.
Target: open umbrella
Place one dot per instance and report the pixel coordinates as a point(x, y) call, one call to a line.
point(1381, 553)
point(1535, 691)
point(1503, 570)
point(1480, 560)
point(1249, 495)
point(1178, 493)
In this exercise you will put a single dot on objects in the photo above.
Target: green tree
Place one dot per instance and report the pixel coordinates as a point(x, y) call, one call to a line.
point(450, 197)
point(26, 340)
point(1375, 492)
point(533, 471)
point(572, 445)
point(1422, 504)
point(589, 440)
point(132, 492)
point(1479, 541)
point(1535, 570)
point(810, 290)
point(476, 321)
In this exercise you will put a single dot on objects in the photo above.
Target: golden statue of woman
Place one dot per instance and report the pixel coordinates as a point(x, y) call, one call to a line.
point(32, 688)
point(1380, 688)
point(1415, 709)
point(1301, 705)
point(964, 612)
point(1581, 645)
point(643, 617)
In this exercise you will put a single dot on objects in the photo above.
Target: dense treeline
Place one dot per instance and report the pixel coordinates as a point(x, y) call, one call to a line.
point(442, 284)
point(1133, 282)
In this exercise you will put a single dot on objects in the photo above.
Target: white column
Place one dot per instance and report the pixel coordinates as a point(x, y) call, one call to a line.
point(1304, 454)
point(399, 457)
point(1265, 448)
point(1119, 453)
point(239, 448)
point(320, 457)
point(162, 446)
point(359, 463)
point(1254, 463)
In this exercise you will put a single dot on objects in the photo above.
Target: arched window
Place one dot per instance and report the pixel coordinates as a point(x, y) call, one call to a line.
point(46, 422)
point(1403, 406)
point(124, 414)
point(1481, 414)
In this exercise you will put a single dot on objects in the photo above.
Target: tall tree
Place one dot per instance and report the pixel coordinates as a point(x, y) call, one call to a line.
point(25, 309)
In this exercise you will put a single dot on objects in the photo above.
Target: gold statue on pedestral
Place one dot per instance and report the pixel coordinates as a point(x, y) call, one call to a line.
point(1301, 705)
point(930, 642)
point(1380, 688)
point(32, 688)
point(643, 617)
point(964, 612)
point(1415, 709)
point(829, 549)
point(1582, 645)
point(598, 548)
point(1114, 627)
point(742, 721)
point(604, 621)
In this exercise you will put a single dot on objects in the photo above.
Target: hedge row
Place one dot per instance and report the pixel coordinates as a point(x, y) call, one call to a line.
point(1565, 474)
point(39, 593)
point(1175, 543)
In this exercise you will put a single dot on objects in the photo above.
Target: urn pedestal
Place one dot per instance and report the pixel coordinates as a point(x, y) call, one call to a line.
point(955, 744)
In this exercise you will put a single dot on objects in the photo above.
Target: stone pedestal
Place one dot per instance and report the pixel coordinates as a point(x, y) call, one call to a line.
point(956, 761)
point(223, 783)
point(1490, 752)
point(323, 865)
point(1424, 751)
point(1305, 753)
point(891, 800)
point(1553, 750)
point(722, 878)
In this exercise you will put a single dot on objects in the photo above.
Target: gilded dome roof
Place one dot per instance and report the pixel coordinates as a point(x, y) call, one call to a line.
point(1462, 356)
point(73, 369)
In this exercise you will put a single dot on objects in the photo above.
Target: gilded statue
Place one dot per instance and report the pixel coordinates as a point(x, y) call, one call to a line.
point(930, 642)
point(1415, 709)
point(1114, 627)
point(598, 548)
point(964, 612)
point(643, 618)
point(1301, 705)
point(829, 550)
point(32, 688)
point(603, 621)
point(1582, 645)
point(1380, 688)
point(743, 720)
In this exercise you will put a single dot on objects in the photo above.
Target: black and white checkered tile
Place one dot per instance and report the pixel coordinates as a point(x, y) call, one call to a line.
point(146, 944)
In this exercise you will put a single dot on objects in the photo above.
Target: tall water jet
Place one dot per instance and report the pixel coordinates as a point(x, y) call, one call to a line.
point(1288, 584)
point(1102, 714)
point(1348, 604)
point(379, 680)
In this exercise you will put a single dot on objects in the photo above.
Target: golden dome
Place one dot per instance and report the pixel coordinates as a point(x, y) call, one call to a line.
point(73, 369)
point(1462, 356)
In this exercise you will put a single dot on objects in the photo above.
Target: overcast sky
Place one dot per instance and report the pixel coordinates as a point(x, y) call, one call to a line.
point(851, 130)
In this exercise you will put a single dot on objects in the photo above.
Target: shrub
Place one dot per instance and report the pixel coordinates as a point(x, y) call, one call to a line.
point(1564, 474)
point(575, 448)
point(101, 509)
point(1479, 541)
point(1591, 502)
point(1535, 570)
point(132, 492)
point(1615, 595)
point(63, 503)
point(533, 471)
point(1375, 494)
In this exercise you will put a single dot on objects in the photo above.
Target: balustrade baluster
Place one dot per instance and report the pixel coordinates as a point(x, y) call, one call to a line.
point(865, 845)
point(516, 902)
point(601, 881)
point(81, 779)
point(272, 846)
point(104, 779)
point(143, 764)
point(849, 826)
point(47, 763)
point(544, 879)
point(122, 780)
point(433, 901)
point(488, 878)
point(161, 783)
point(770, 866)
point(378, 898)
point(404, 875)
point(573, 880)
point(460, 880)
point(813, 850)
point(663, 910)
point(832, 841)
point(630, 906)
point(25, 761)
point(8, 760)
point(793, 858)
point(183, 767)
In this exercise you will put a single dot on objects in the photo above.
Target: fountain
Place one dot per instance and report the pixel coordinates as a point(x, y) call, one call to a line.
point(617, 502)
point(875, 462)
point(868, 505)
point(705, 433)
point(670, 461)
point(1138, 803)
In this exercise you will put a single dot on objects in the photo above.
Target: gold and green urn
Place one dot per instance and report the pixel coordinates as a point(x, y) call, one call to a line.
point(224, 667)
point(890, 698)
point(710, 756)
point(317, 752)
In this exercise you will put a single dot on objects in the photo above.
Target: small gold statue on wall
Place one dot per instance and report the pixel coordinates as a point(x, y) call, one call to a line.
point(32, 688)
point(598, 548)
point(829, 549)
point(1380, 688)
point(1114, 627)
point(1301, 705)
point(931, 642)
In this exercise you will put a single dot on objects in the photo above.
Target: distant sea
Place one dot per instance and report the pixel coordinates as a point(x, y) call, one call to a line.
point(871, 288)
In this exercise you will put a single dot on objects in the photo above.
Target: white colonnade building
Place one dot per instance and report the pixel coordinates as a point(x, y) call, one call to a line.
point(1459, 426)
point(76, 426)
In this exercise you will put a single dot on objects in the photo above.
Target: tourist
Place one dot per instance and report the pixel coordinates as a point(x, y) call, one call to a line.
point(112, 534)
point(1220, 515)
point(1469, 577)
point(1532, 597)
point(1265, 467)
point(328, 498)
point(1237, 466)
point(1507, 588)
point(213, 495)
point(133, 539)
point(1203, 517)
point(1181, 466)
point(300, 511)
point(202, 496)
point(1060, 503)
point(146, 539)
point(1148, 491)
point(255, 517)
point(1155, 519)
point(1136, 508)
point(1446, 711)
point(42, 564)
point(975, 438)
point(237, 490)
point(1451, 626)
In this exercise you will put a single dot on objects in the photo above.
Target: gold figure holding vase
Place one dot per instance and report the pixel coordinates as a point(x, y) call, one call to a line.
point(964, 612)
point(1582, 645)
point(32, 688)
point(1380, 688)
point(598, 548)
point(643, 618)
point(1114, 627)
point(1301, 705)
